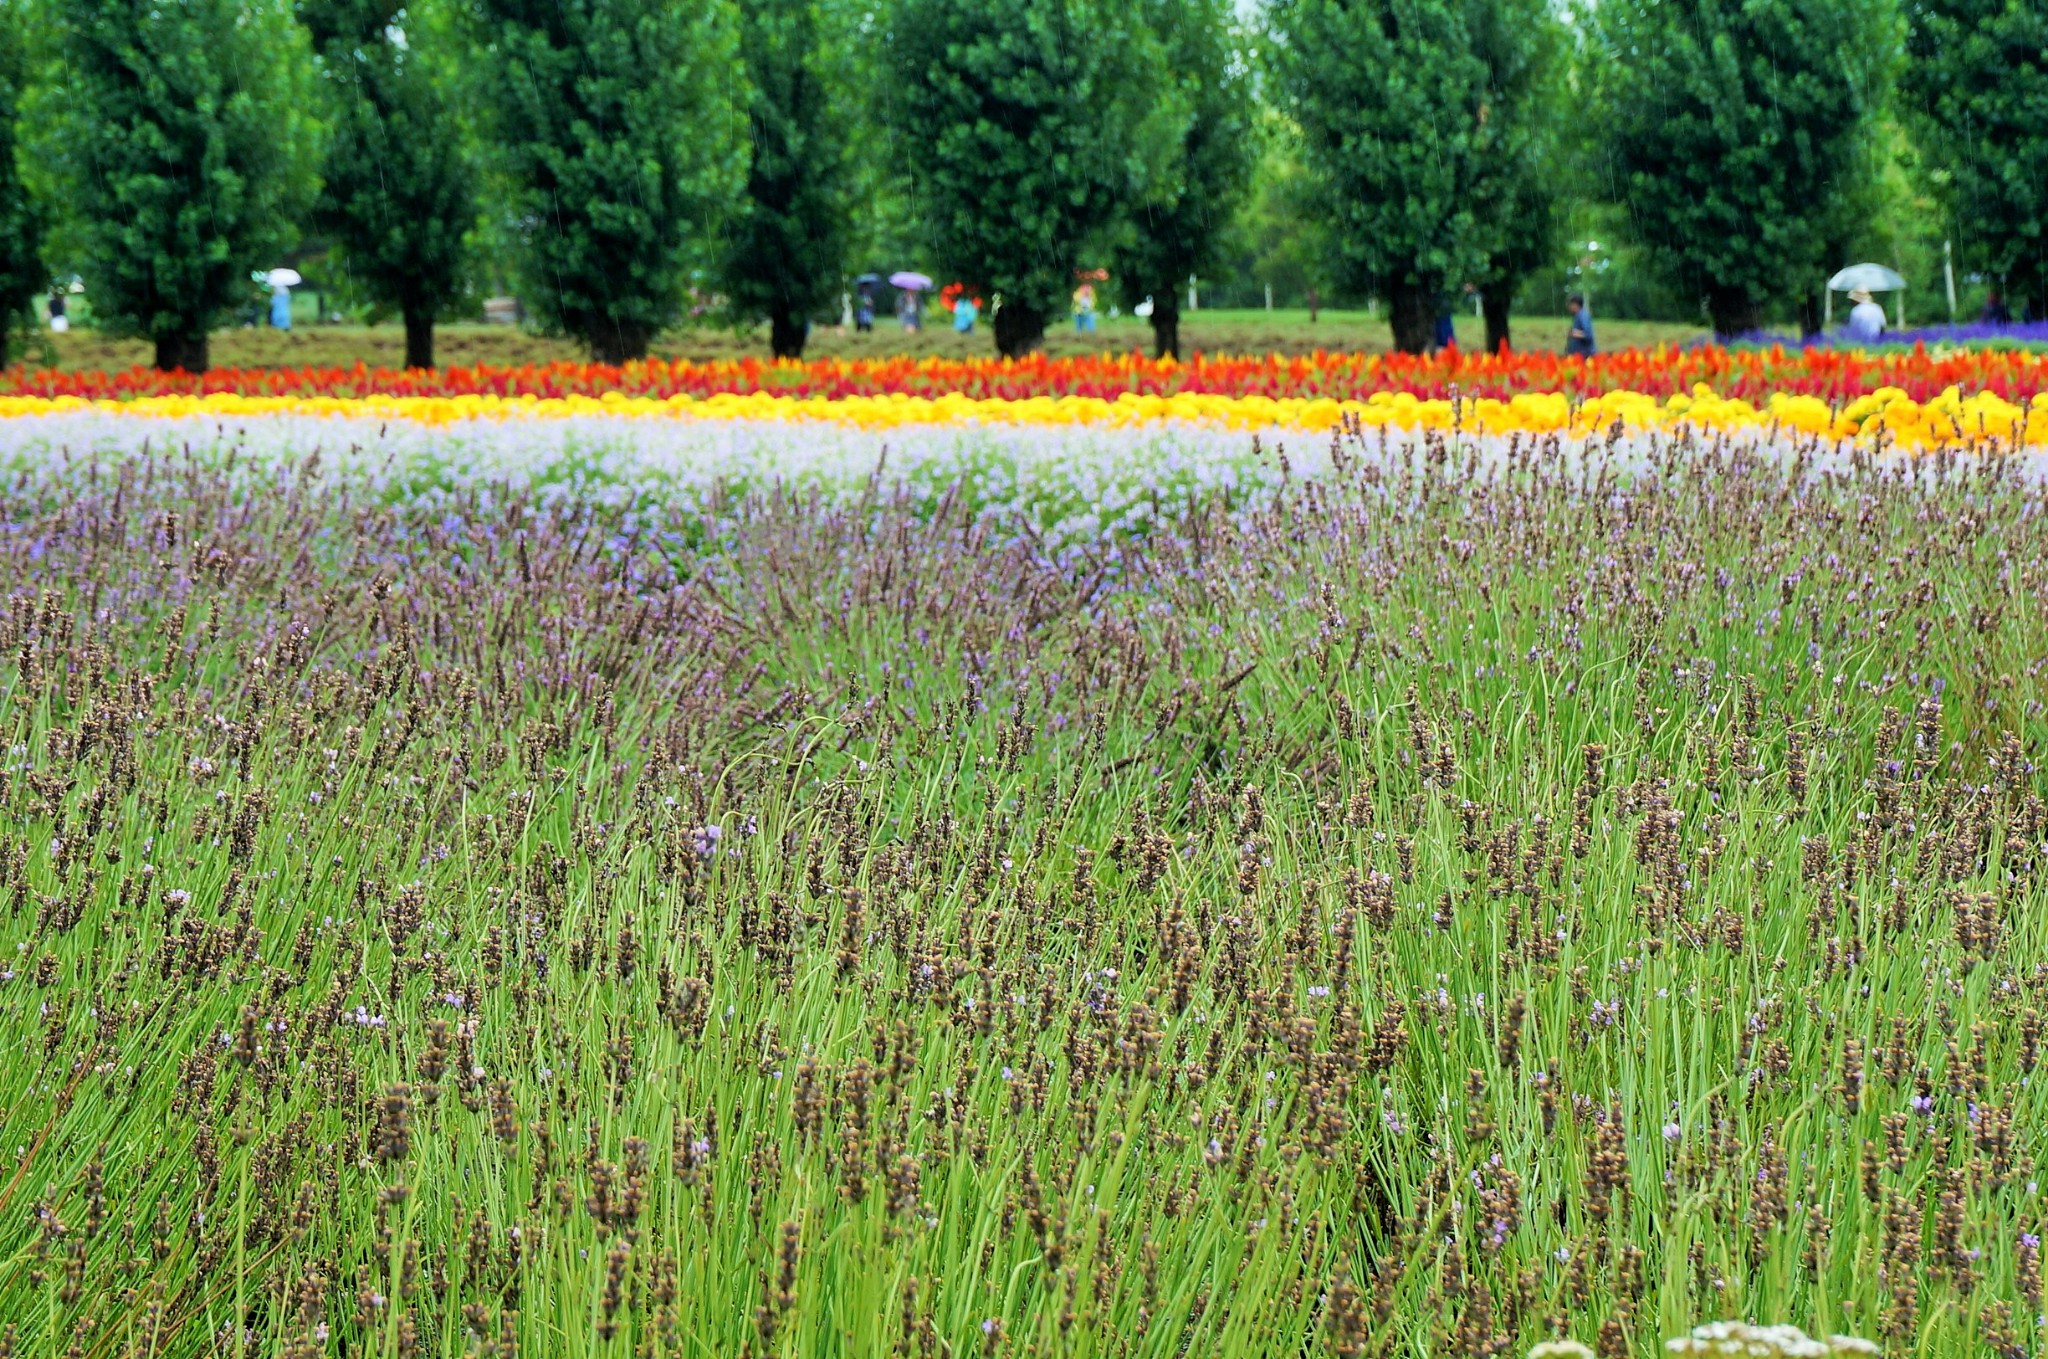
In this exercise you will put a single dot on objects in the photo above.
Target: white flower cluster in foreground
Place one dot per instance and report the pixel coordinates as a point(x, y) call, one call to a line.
point(1561, 1349)
point(1731, 1338)
point(1763, 1342)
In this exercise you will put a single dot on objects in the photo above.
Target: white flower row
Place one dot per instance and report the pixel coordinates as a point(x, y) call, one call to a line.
point(1732, 1338)
point(1761, 1342)
point(1071, 481)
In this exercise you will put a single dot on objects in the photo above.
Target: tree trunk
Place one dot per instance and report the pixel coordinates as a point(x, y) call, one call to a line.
point(1019, 330)
point(174, 352)
point(619, 341)
point(1735, 313)
point(419, 339)
point(1809, 316)
point(1494, 303)
point(1315, 305)
point(1165, 330)
point(786, 333)
point(1414, 312)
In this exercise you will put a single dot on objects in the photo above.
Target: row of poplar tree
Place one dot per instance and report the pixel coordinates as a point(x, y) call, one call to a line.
point(633, 145)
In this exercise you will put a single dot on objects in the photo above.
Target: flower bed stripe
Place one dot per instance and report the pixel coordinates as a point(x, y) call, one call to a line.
point(1889, 416)
point(1754, 375)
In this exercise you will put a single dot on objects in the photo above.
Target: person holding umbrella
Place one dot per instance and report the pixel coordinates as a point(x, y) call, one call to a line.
point(864, 309)
point(1084, 298)
point(281, 282)
point(908, 301)
point(1866, 318)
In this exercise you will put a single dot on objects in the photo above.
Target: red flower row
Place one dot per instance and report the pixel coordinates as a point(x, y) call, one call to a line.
point(1750, 374)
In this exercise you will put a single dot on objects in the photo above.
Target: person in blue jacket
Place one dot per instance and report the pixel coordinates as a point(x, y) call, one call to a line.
point(1446, 332)
point(1578, 336)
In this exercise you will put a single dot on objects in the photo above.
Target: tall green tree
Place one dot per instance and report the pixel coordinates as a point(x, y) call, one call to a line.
point(1181, 229)
point(1284, 239)
point(1741, 135)
point(1388, 95)
point(1977, 81)
point(399, 196)
point(621, 125)
point(1518, 152)
point(786, 245)
point(1028, 123)
point(178, 141)
point(21, 227)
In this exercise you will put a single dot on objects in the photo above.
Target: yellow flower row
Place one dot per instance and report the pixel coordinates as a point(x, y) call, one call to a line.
point(1947, 418)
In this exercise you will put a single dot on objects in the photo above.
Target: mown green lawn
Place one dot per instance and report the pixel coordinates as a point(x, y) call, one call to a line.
point(1287, 332)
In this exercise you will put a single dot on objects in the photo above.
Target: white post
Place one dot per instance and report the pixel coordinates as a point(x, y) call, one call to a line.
point(1827, 310)
point(1194, 299)
point(1899, 310)
point(1269, 297)
point(1948, 270)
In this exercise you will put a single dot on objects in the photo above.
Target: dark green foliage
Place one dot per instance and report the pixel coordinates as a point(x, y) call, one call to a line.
point(1392, 99)
point(21, 271)
point(1978, 79)
point(1029, 123)
point(1520, 183)
point(787, 242)
point(399, 195)
point(1743, 137)
point(1280, 233)
point(1180, 230)
point(619, 122)
point(180, 150)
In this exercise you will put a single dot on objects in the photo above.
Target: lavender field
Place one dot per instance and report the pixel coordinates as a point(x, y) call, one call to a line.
point(1409, 898)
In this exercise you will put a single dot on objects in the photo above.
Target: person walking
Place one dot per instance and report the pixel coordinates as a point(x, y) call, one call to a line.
point(1446, 330)
point(864, 312)
point(1578, 335)
point(1866, 318)
point(1084, 309)
point(964, 311)
point(59, 322)
point(280, 306)
point(906, 310)
point(1996, 313)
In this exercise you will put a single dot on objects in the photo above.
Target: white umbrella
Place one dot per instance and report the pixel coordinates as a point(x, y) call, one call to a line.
point(283, 278)
point(910, 281)
point(1874, 278)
